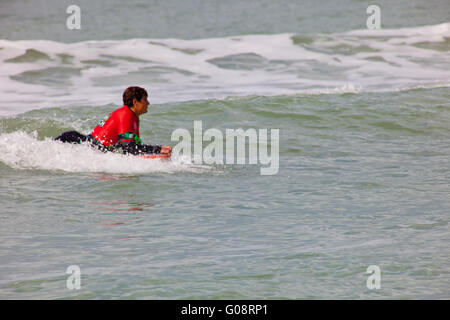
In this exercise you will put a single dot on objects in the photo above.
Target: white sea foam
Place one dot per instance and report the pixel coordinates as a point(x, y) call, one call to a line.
point(426, 33)
point(24, 151)
point(96, 72)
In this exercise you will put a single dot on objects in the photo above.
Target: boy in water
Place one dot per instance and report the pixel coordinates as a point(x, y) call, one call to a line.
point(121, 130)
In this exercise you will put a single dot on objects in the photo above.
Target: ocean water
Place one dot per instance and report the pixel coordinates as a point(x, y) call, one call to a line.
point(363, 173)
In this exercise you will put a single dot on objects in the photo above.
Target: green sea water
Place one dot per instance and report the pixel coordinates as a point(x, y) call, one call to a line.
point(363, 180)
point(363, 172)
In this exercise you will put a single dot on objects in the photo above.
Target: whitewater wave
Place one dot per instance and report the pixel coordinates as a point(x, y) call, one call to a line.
point(21, 150)
point(40, 74)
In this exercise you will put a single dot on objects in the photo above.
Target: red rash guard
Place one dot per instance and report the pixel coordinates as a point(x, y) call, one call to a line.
point(120, 121)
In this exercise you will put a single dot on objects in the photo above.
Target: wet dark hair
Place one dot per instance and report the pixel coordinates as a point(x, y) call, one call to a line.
point(131, 93)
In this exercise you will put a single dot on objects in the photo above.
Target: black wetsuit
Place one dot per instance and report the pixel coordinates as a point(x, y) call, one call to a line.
point(126, 147)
